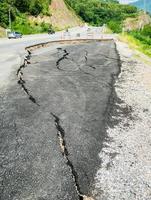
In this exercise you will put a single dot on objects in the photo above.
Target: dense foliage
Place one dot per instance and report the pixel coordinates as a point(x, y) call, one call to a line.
point(99, 12)
point(23, 25)
point(94, 12)
point(33, 7)
point(143, 35)
point(139, 39)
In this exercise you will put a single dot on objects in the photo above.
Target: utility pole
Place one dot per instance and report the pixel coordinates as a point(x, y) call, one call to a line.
point(10, 22)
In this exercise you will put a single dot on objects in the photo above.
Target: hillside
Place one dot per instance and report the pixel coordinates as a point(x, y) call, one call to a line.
point(137, 22)
point(37, 16)
point(99, 12)
point(61, 16)
point(140, 5)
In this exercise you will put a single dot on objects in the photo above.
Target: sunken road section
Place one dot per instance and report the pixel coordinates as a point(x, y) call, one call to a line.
point(49, 150)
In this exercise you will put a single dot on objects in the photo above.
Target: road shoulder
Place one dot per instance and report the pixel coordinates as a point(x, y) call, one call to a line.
point(125, 172)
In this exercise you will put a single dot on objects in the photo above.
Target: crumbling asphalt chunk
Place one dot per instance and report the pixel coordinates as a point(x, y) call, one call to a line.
point(21, 80)
point(64, 56)
point(65, 153)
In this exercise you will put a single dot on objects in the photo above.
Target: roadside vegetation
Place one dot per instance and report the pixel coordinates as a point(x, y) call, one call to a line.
point(139, 39)
point(143, 35)
point(24, 25)
point(94, 12)
point(20, 10)
point(99, 12)
point(37, 16)
point(113, 14)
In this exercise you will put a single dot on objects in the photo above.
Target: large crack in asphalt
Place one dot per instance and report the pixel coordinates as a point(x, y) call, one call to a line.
point(21, 80)
point(86, 56)
point(60, 130)
point(65, 153)
point(65, 54)
point(111, 101)
point(86, 60)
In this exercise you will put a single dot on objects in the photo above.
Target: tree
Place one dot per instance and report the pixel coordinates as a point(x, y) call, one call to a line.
point(22, 5)
point(35, 7)
point(4, 14)
point(146, 31)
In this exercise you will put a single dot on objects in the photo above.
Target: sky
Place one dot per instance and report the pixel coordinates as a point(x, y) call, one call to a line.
point(126, 1)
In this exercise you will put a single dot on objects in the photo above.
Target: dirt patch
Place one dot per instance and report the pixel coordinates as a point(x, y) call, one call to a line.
point(60, 17)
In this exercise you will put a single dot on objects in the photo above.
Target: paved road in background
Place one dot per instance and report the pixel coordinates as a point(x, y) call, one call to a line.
point(12, 51)
point(16, 44)
point(53, 118)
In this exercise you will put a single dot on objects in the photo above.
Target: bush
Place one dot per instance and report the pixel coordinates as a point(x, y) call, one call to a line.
point(115, 26)
point(19, 11)
point(143, 36)
point(147, 31)
point(35, 7)
point(23, 25)
point(4, 9)
point(44, 27)
point(22, 5)
point(4, 14)
point(99, 12)
point(128, 9)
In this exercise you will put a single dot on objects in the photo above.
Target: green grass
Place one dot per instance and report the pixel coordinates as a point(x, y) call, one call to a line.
point(23, 25)
point(136, 43)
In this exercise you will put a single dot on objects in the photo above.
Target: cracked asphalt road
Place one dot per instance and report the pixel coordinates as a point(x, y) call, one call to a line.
point(73, 81)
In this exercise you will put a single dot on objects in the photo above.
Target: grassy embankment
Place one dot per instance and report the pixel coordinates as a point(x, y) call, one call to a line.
point(139, 40)
point(26, 26)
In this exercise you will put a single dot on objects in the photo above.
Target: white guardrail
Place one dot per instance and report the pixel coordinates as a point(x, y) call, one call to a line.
point(86, 33)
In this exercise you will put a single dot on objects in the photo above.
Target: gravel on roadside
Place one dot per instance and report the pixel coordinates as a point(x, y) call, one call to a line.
point(125, 171)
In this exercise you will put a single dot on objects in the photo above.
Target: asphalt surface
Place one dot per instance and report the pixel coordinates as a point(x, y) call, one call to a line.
point(53, 121)
point(12, 51)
